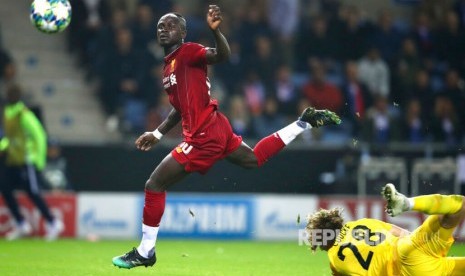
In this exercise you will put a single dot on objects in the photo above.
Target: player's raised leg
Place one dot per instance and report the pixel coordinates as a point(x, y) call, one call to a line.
point(434, 204)
point(436, 233)
point(167, 173)
point(269, 146)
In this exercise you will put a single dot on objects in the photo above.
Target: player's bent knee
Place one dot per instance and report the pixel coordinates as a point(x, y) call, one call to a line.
point(250, 165)
point(152, 185)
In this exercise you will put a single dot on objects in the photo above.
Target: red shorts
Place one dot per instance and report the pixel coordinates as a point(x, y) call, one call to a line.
point(214, 142)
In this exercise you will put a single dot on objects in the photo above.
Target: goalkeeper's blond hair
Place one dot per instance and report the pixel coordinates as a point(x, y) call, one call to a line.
point(324, 219)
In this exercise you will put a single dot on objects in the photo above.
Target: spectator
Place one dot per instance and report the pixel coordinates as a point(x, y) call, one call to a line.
point(424, 36)
point(269, 119)
point(408, 65)
point(387, 38)
point(436, 10)
point(357, 97)
point(252, 26)
point(283, 18)
point(455, 90)
point(144, 27)
point(445, 124)
point(106, 38)
point(330, 8)
point(317, 43)
point(265, 61)
point(88, 17)
point(374, 73)
point(159, 8)
point(123, 94)
point(352, 39)
point(254, 92)
point(451, 42)
point(380, 125)
point(285, 91)
point(320, 93)
point(232, 71)
point(421, 92)
point(413, 124)
point(239, 115)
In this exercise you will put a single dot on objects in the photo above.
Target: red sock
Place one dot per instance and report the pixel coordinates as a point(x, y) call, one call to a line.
point(153, 208)
point(268, 147)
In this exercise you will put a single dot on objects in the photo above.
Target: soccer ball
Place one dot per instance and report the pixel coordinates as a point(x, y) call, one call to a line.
point(50, 16)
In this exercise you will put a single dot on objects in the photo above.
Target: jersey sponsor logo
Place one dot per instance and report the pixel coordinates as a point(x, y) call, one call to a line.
point(173, 79)
point(184, 148)
point(91, 220)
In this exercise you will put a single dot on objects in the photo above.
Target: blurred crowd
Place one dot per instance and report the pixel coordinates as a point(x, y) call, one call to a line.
point(390, 78)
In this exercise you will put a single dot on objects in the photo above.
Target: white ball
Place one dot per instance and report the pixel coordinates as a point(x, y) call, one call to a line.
point(50, 16)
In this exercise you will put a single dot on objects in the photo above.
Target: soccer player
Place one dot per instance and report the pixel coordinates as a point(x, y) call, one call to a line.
point(373, 247)
point(25, 146)
point(207, 134)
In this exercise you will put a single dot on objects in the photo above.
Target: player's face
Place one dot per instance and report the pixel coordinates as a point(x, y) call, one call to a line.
point(170, 31)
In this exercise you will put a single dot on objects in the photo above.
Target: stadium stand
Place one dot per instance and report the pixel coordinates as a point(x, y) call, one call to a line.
point(51, 80)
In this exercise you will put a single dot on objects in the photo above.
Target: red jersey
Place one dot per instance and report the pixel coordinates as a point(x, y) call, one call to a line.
point(188, 87)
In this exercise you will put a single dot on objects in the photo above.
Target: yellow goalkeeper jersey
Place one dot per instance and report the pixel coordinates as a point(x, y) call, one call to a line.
point(364, 247)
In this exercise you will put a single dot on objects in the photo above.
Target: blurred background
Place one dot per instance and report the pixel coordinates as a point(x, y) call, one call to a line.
point(393, 70)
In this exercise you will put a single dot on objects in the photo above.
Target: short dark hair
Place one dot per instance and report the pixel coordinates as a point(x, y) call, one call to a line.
point(182, 19)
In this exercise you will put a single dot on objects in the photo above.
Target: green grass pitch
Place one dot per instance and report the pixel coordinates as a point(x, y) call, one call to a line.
point(175, 257)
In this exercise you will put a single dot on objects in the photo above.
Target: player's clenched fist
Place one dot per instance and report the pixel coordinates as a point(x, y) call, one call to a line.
point(214, 17)
point(146, 141)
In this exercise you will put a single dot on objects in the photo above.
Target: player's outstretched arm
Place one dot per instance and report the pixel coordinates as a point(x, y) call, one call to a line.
point(149, 139)
point(222, 50)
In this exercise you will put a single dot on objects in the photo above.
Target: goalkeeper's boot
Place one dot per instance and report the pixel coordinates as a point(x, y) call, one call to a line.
point(133, 259)
point(397, 203)
point(318, 118)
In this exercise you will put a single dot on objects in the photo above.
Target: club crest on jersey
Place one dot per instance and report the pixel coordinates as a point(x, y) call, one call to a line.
point(169, 81)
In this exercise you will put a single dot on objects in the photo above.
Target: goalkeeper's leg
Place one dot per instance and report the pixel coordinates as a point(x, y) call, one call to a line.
point(436, 204)
point(436, 233)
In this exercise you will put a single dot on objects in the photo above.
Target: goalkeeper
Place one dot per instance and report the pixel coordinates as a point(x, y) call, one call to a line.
point(374, 247)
